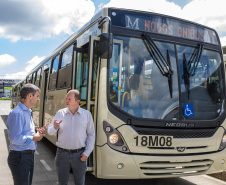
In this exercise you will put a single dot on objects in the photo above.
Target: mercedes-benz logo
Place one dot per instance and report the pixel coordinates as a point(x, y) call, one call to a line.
point(181, 148)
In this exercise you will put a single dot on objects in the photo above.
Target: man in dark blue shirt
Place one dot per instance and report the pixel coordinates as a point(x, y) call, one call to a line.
point(22, 136)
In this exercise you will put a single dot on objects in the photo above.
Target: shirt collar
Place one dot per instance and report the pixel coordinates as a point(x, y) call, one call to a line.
point(24, 108)
point(78, 111)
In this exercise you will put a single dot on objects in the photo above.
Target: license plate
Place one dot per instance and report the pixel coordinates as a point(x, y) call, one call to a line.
point(153, 141)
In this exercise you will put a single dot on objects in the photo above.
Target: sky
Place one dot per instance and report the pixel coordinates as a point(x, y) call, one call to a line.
point(31, 29)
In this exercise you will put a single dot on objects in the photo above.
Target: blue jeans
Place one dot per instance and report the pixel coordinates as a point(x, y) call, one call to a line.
point(65, 161)
point(22, 167)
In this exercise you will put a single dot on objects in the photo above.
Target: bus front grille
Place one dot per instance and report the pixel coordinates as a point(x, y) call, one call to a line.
point(159, 169)
point(177, 133)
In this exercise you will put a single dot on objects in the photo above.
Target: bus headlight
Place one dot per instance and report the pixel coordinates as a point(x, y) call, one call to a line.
point(223, 142)
point(115, 139)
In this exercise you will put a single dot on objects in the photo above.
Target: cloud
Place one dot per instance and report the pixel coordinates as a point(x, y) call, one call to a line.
point(160, 6)
point(207, 12)
point(67, 13)
point(100, 6)
point(31, 64)
point(6, 59)
point(223, 41)
point(37, 19)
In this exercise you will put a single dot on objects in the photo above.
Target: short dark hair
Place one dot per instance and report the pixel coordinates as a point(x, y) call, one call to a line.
point(76, 93)
point(27, 89)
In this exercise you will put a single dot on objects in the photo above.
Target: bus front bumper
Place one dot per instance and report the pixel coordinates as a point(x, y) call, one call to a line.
point(112, 164)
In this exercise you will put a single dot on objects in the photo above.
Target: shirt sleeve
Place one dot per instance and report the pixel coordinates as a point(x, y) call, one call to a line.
point(51, 130)
point(15, 126)
point(90, 131)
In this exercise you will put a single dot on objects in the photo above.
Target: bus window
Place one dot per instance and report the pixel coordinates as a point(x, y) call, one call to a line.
point(15, 91)
point(47, 65)
point(65, 71)
point(95, 66)
point(29, 79)
point(34, 77)
point(204, 89)
point(38, 78)
point(134, 79)
point(53, 73)
point(82, 74)
point(22, 84)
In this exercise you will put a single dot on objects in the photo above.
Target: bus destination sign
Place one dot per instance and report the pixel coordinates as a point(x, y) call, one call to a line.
point(164, 25)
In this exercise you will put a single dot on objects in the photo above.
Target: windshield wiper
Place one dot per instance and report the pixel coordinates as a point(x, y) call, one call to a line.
point(186, 75)
point(188, 68)
point(163, 65)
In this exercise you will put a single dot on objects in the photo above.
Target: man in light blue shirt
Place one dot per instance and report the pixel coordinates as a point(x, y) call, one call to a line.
point(22, 136)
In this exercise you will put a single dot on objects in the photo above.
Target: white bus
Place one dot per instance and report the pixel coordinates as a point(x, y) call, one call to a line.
point(155, 86)
point(224, 53)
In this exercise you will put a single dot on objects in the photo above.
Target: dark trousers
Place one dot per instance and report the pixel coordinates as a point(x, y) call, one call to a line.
point(65, 161)
point(22, 167)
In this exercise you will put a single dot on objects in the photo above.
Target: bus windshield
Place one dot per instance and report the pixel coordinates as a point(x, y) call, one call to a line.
point(163, 80)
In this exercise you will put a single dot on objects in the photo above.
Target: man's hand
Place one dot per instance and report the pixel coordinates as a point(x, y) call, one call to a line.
point(57, 124)
point(38, 136)
point(41, 130)
point(83, 157)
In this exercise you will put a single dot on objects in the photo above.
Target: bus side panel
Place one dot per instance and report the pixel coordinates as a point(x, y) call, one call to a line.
point(14, 99)
point(55, 100)
point(36, 114)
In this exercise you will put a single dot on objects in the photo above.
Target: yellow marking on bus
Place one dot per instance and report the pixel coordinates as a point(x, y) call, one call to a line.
point(123, 98)
point(82, 104)
point(112, 97)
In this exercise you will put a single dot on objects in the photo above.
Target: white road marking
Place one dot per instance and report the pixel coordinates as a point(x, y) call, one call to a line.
point(36, 152)
point(46, 165)
point(218, 180)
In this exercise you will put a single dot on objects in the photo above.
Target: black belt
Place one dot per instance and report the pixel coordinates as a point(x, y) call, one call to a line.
point(23, 151)
point(72, 150)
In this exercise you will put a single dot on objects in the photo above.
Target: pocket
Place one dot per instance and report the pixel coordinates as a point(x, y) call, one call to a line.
point(59, 151)
point(59, 154)
point(14, 159)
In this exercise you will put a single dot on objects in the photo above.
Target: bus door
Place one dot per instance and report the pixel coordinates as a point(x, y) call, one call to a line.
point(93, 72)
point(86, 67)
point(93, 88)
point(42, 118)
point(81, 74)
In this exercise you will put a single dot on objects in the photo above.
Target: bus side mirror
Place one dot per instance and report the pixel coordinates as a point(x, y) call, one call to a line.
point(106, 45)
